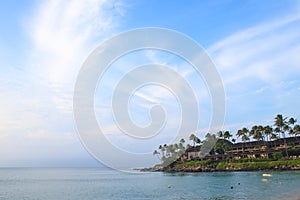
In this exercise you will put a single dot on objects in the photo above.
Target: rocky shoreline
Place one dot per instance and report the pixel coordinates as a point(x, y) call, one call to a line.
point(229, 168)
point(199, 169)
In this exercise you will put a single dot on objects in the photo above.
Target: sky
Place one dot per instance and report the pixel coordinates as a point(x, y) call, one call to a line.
point(254, 45)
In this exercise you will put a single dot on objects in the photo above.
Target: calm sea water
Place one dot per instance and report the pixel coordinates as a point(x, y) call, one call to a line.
point(102, 184)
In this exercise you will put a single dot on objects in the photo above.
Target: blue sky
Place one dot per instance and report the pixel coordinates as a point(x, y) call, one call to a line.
point(254, 45)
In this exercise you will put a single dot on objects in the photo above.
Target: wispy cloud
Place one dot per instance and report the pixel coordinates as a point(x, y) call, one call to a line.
point(260, 51)
point(257, 65)
point(36, 98)
point(63, 33)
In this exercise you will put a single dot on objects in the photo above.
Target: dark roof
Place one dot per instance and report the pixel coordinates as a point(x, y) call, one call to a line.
point(265, 143)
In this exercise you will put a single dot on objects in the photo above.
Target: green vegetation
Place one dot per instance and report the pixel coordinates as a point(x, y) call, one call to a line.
point(221, 166)
point(193, 163)
point(241, 165)
point(221, 146)
point(169, 153)
point(177, 155)
point(265, 164)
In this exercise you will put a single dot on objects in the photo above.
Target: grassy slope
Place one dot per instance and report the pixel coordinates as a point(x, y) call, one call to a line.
point(239, 165)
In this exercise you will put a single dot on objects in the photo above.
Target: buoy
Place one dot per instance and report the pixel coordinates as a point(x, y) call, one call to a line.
point(267, 175)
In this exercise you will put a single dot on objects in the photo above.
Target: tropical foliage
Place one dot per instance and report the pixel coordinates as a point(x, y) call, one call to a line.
point(282, 127)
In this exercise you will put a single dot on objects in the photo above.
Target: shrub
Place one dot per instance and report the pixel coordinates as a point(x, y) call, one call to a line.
point(277, 156)
point(221, 166)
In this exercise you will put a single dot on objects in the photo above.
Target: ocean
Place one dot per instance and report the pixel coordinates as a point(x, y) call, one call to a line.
point(94, 183)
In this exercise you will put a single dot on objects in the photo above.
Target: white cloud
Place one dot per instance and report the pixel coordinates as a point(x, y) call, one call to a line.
point(256, 31)
point(36, 99)
point(63, 33)
point(253, 62)
point(260, 52)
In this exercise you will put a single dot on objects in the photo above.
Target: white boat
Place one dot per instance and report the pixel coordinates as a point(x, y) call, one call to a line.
point(266, 175)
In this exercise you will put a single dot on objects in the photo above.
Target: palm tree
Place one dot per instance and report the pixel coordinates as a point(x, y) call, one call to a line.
point(291, 123)
point(281, 126)
point(155, 152)
point(192, 139)
point(252, 131)
point(170, 150)
point(182, 141)
point(181, 149)
point(274, 136)
point(245, 138)
point(296, 130)
point(162, 149)
point(244, 134)
point(165, 146)
point(268, 130)
point(260, 133)
point(208, 144)
point(176, 150)
point(257, 132)
point(239, 133)
point(220, 134)
point(227, 135)
point(197, 140)
point(181, 146)
point(222, 144)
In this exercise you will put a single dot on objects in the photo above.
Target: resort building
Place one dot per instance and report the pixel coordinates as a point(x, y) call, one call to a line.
point(254, 149)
